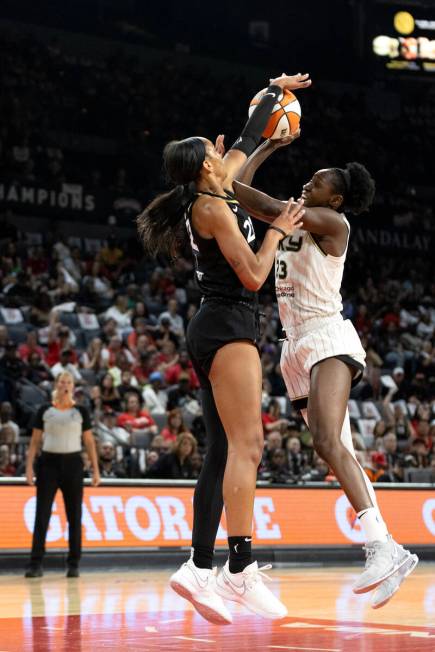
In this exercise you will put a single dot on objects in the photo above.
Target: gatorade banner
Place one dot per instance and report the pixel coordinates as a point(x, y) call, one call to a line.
point(152, 517)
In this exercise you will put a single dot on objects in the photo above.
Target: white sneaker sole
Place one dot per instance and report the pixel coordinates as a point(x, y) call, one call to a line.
point(414, 561)
point(235, 597)
point(205, 611)
point(373, 585)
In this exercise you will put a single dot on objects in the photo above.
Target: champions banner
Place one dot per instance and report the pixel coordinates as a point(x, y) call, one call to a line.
point(150, 517)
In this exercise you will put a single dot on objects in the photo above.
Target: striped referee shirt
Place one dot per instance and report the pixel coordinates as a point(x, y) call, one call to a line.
point(62, 429)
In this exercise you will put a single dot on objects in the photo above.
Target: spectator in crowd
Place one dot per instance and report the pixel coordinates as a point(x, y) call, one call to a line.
point(272, 442)
point(176, 465)
point(174, 426)
point(109, 467)
point(272, 418)
point(196, 461)
point(154, 396)
point(30, 346)
point(7, 468)
point(107, 430)
point(120, 313)
point(277, 470)
point(181, 394)
point(183, 366)
point(6, 419)
point(135, 419)
point(296, 459)
point(389, 447)
point(419, 452)
point(95, 357)
point(109, 393)
point(59, 339)
point(12, 369)
point(4, 338)
point(376, 465)
point(394, 473)
point(38, 372)
point(129, 385)
point(319, 471)
point(159, 445)
point(66, 364)
point(175, 320)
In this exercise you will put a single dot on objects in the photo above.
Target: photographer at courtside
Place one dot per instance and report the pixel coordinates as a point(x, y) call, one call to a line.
point(58, 430)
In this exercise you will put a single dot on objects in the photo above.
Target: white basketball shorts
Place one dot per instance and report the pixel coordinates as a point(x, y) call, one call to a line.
point(314, 341)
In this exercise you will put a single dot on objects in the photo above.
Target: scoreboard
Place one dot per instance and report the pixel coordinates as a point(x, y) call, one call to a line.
point(401, 37)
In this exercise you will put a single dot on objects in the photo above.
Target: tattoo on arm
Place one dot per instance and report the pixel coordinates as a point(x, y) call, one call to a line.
point(234, 263)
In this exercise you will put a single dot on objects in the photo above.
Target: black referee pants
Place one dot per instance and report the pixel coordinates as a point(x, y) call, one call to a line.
point(65, 472)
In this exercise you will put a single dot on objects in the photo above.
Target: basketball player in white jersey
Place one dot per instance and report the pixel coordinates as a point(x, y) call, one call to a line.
point(322, 356)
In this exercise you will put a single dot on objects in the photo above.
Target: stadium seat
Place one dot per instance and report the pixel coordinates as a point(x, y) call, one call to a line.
point(420, 475)
point(69, 319)
point(18, 332)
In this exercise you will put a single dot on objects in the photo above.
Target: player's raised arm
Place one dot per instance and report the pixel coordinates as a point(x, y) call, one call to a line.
point(253, 129)
point(263, 151)
point(320, 220)
point(251, 268)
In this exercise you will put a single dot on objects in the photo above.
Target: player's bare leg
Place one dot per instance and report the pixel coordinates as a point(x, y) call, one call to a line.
point(327, 408)
point(235, 377)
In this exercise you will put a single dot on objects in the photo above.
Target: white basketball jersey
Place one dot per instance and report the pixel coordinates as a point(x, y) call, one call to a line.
point(307, 280)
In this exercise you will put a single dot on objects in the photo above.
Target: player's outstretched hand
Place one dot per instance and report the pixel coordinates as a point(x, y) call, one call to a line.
point(282, 142)
point(291, 216)
point(292, 82)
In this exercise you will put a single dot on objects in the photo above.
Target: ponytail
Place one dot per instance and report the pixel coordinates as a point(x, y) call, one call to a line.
point(160, 226)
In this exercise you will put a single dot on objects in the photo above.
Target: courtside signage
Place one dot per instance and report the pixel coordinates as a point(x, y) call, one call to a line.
point(140, 517)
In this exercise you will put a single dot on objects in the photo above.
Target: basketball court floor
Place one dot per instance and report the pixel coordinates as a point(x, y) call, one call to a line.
point(137, 611)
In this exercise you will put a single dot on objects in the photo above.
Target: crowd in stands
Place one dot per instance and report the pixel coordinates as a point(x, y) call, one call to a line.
point(117, 320)
point(120, 330)
point(54, 130)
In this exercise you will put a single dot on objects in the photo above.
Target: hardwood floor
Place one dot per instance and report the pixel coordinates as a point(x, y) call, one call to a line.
point(137, 611)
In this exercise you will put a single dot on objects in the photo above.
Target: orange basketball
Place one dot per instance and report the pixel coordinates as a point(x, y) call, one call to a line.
point(285, 117)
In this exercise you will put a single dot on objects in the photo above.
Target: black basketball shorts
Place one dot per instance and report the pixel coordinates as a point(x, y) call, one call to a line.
point(215, 324)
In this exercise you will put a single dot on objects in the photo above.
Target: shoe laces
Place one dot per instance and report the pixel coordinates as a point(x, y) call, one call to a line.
point(254, 575)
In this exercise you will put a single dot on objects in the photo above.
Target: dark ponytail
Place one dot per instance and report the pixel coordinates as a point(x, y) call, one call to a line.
point(160, 226)
point(356, 185)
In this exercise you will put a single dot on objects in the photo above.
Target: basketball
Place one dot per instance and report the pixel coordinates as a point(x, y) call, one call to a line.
point(285, 117)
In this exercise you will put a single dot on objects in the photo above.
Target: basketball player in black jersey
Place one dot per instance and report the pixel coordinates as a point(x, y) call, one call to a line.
point(222, 339)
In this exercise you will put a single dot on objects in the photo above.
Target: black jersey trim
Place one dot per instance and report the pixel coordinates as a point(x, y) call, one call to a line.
point(357, 366)
point(299, 403)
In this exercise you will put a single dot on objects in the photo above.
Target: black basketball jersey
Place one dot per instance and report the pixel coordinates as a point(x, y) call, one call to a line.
point(215, 277)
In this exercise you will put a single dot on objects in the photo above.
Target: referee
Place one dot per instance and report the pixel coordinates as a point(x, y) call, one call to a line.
point(59, 427)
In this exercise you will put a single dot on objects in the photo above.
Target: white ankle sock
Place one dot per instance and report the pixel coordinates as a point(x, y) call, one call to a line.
point(374, 527)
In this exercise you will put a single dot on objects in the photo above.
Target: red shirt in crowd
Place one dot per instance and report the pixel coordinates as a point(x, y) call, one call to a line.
point(138, 422)
point(53, 354)
point(25, 351)
point(168, 435)
point(172, 375)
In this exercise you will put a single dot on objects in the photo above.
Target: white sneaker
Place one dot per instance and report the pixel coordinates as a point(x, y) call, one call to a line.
point(383, 559)
point(197, 585)
point(248, 589)
point(388, 588)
